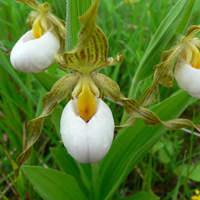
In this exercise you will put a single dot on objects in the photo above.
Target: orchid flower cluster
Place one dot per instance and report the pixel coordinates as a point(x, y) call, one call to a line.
point(87, 125)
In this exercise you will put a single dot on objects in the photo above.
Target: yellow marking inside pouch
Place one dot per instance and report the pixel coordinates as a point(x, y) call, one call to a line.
point(86, 102)
point(38, 31)
point(196, 62)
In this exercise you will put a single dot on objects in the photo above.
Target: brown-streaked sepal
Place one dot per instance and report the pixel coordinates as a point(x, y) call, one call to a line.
point(59, 91)
point(92, 57)
point(45, 7)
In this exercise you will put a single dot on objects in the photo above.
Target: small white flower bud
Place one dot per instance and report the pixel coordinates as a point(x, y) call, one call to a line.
point(87, 142)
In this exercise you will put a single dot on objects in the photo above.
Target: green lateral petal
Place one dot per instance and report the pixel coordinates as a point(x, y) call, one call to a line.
point(59, 91)
point(37, 6)
point(133, 108)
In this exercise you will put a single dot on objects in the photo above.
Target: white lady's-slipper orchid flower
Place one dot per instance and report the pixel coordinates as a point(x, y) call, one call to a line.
point(87, 141)
point(35, 50)
point(87, 125)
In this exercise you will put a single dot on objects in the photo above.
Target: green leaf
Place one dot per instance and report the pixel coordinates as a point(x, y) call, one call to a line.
point(193, 173)
point(179, 180)
point(133, 143)
point(45, 79)
point(81, 172)
point(65, 162)
point(52, 184)
point(142, 196)
point(59, 8)
point(3, 196)
point(7, 66)
point(165, 152)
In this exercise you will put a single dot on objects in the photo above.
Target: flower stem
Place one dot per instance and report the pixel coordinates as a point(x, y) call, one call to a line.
point(95, 174)
point(74, 9)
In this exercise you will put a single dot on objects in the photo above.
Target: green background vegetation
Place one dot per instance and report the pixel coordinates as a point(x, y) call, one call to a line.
point(148, 159)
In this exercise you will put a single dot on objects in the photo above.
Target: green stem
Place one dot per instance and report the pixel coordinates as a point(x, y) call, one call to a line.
point(74, 9)
point(95, 174)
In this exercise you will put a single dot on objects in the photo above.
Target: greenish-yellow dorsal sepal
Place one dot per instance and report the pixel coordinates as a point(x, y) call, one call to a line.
point(88, 22)
point(37, 6)
point(59, 91)
point(92, 57)
point(90, 53)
